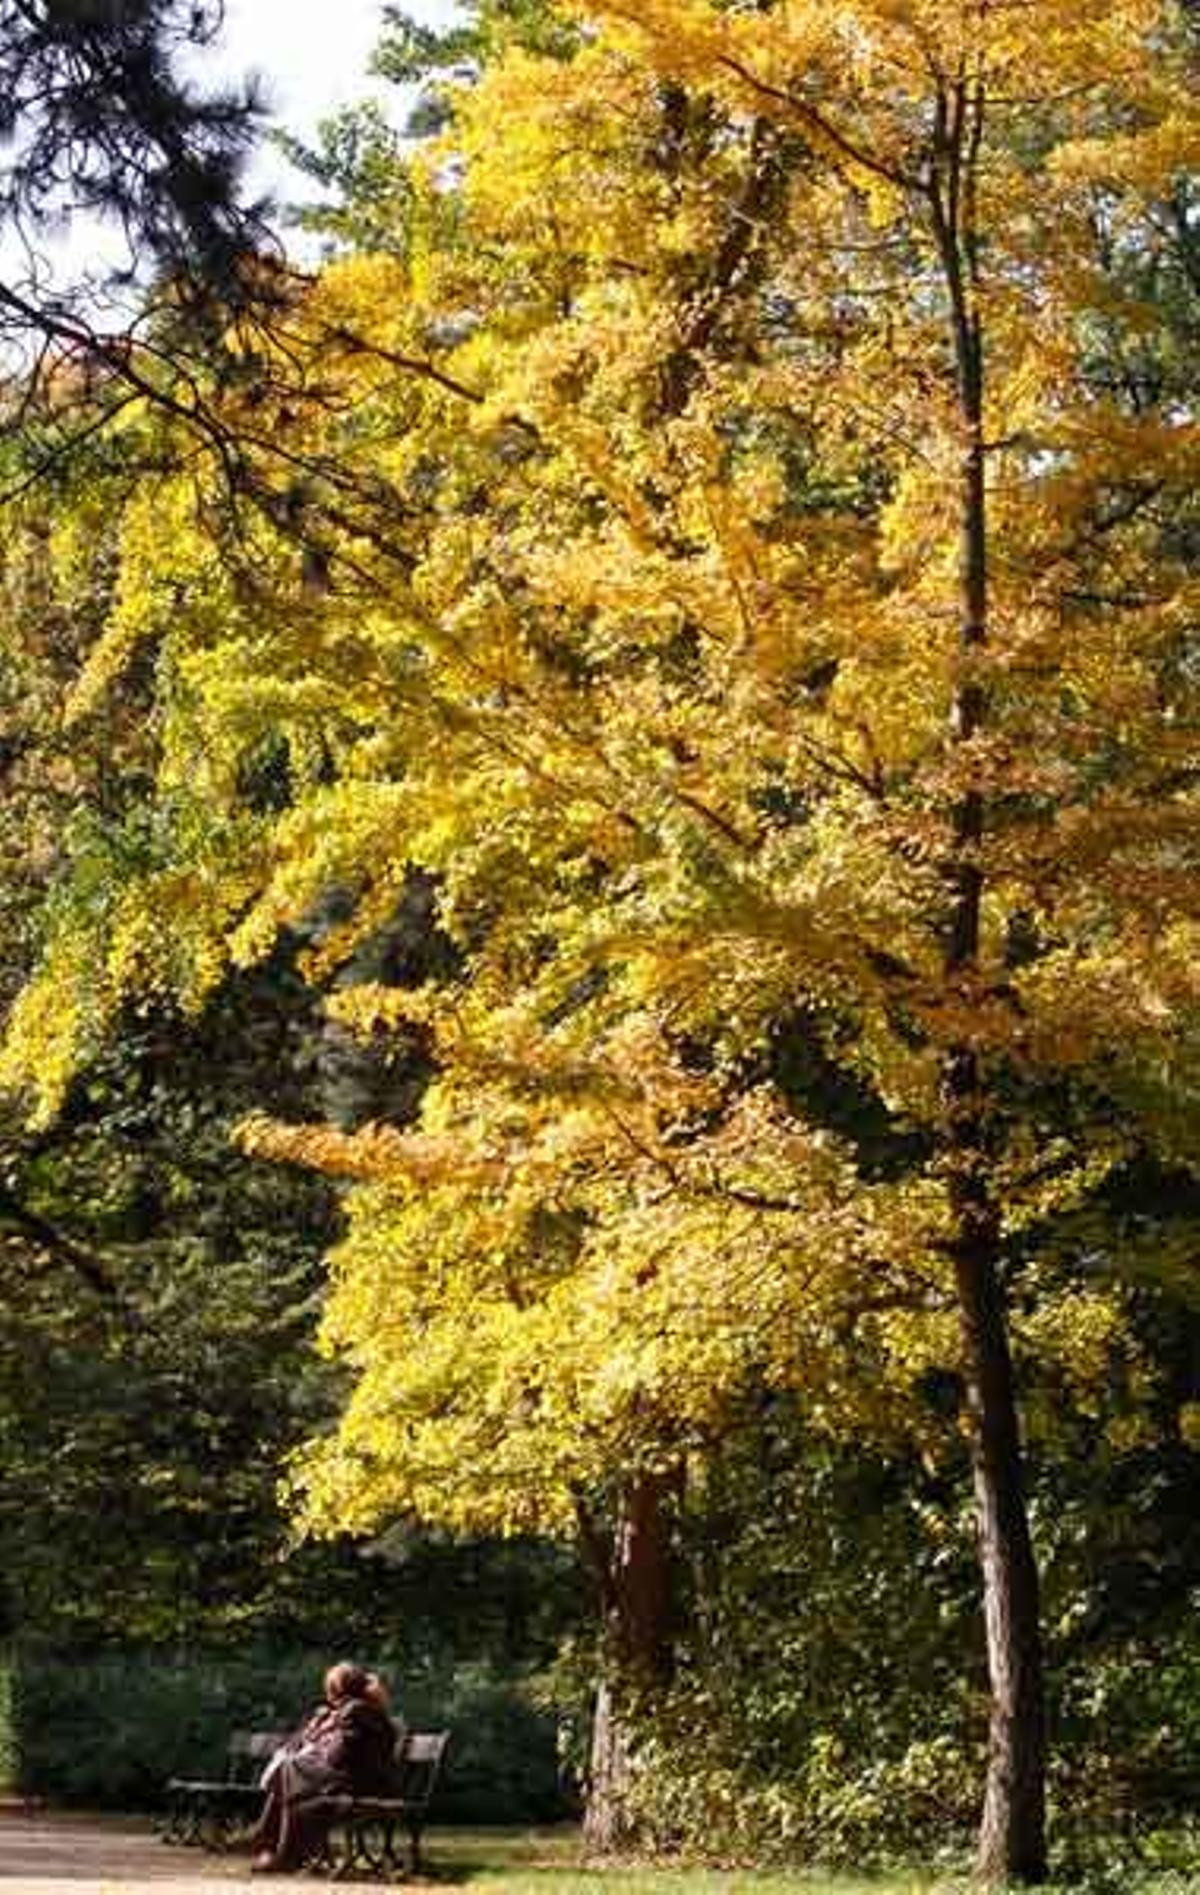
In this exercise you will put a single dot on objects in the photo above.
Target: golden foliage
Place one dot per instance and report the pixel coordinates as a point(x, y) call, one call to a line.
point(638, 500)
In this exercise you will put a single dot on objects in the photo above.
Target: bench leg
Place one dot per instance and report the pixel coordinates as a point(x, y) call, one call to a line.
point(179, 1827)
point(368, 1845)
point(194, 1823)
point(324, 1858)
point(372, 1844)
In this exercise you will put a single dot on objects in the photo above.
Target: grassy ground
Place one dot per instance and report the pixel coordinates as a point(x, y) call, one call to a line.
point(559, 1881)
point(546, 1862)
point(63, 1852)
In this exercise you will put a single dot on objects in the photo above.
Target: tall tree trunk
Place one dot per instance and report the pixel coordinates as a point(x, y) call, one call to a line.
point(635, 1573)
point(1012, 1833)
point(1012, 1840)
point(608, 1825)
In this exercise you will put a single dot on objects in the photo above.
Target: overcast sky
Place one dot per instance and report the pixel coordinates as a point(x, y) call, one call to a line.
point(312, 55)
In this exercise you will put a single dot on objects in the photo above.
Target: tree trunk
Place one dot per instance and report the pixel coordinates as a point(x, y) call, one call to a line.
point(636, 1582)
point(608, 1825)
point(1012, 1832)
point(1012, 1843)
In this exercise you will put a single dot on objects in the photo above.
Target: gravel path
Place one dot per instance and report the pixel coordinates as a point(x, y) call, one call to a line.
point(64, 1855)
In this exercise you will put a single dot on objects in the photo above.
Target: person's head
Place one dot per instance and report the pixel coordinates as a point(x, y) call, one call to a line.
point(377, 1692)
point(345, 1681)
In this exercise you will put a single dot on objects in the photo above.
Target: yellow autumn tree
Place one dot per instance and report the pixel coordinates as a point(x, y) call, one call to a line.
point(719, 554)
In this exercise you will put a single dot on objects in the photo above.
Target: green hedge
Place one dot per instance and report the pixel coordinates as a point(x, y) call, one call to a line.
point(8, 1749)
point(107, 1731)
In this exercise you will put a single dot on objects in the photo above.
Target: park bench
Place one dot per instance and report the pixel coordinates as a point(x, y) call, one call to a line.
point(212, 1810)
point(364, 1831)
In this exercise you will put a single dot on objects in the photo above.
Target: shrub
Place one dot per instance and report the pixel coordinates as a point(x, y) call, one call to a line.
point(830, 1805)
point(109, 1729)
point(8, 1750)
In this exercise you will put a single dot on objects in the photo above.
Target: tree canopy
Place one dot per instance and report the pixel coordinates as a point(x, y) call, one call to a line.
point(735, 542)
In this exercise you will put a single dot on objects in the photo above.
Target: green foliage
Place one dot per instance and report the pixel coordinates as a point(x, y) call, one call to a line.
point(821, 1709)
point(831, 1806)
point(411, 52)
point(1129, 1727)
point(504, 1764)
point(826, 1704)
point(108, 1731)
point(359, 160)
point(144, 1417)
point(8, 1743)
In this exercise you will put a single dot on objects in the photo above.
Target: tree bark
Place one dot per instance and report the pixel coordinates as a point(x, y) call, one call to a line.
point(608, 1825)
point(635, 1574)
point(1012, 1839)
point(1012, 1832)
point(1011, 1843)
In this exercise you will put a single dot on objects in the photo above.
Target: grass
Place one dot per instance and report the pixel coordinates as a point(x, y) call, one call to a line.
point(547, 1862)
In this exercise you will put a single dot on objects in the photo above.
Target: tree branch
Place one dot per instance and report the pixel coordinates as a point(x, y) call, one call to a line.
point(61, 1247)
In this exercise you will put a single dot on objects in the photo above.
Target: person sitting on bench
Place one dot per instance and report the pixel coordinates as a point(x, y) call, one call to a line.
point(346, 1747)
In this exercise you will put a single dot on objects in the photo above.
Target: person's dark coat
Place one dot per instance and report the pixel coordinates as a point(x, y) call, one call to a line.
point(351, 1746)
point(343, 1749)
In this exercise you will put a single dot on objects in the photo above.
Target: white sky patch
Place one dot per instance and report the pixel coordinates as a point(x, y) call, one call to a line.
point(311, 58)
